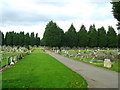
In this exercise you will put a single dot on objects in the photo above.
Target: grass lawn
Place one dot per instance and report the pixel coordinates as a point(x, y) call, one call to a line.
point(40, 70)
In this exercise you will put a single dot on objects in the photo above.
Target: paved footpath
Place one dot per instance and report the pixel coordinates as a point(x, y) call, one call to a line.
point(96, 77)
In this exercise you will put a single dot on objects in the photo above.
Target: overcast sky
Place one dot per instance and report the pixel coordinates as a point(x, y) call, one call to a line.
point(33, 15)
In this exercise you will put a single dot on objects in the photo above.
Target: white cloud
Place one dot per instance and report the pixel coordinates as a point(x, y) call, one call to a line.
point(33, 15)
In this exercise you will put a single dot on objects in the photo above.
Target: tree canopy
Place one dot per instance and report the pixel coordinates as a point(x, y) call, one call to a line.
point(52, 35)
point(111, 37)
point(82, 37)
point(93, 35)
point(13, 38)
point(102, 37)
point(55, 37)
point(116, 11)
point(71, 36)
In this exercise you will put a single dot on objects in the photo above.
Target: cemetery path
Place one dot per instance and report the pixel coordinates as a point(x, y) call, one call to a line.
point(96, 77)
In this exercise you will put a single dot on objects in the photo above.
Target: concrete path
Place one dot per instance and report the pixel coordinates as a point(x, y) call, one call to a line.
point(96, 77)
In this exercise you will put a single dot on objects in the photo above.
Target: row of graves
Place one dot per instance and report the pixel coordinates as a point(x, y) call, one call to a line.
point(104, 56)
point(10, 60)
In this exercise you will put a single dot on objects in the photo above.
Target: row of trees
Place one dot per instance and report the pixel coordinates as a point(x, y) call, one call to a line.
point(54, 36)
point(13, 38)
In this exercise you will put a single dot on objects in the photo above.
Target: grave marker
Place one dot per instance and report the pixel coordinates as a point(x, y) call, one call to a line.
point(107, 63)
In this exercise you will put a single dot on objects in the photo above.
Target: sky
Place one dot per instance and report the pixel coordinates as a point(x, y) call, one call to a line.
point(34, 15)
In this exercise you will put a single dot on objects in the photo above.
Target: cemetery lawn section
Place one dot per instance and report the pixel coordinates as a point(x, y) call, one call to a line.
point(115, 66)
point(115, 63)
point(6, 55)
point(40, 70)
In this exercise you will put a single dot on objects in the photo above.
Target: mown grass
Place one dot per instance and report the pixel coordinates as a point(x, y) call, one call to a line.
point(40, 70)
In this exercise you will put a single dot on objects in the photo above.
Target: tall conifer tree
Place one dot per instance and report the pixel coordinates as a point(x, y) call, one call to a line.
point(102, 37)
point(82, 37)
point(71, 37)
point(93, 36)
point(111, 37)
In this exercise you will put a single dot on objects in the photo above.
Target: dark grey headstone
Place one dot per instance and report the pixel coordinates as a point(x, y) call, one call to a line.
point(100, 57)
point(118, 56)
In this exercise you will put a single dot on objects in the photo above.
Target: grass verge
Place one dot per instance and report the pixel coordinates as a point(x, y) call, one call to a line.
point(40, 70)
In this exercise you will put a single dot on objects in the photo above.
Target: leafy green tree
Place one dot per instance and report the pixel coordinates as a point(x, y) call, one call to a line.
point(1, 38)
point(93, 36)
point(21, 38)
point(102, 37)
point(82, 37)
point(60, 35)
point(9, 38)
point(42, 42)
point(116, 11)
point(71, 36)
point(32, 40)
point(64, 40)
point(111, 37)
point(118, 40)
point(52, 35)
point(15, 39)
point(6, 38)
point(27, 39)
point(37, 40)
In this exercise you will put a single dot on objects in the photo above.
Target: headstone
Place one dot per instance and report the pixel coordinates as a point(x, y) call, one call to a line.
point(15, 59)
point(8, 61)
point(85, 60)
point(71, 55)
point(118, 56)
point(107, 63)
point(11, 59)
point(92, 61)
point(81, 58)
point(57, 51)
point(100, 57)
point(68, 55)
point(12, 63)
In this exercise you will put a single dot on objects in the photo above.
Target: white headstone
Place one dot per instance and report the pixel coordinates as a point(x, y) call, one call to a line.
point(67, 52)
point(107, 63)
point(57, 51)
point(12, 63)
point(10, 59)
